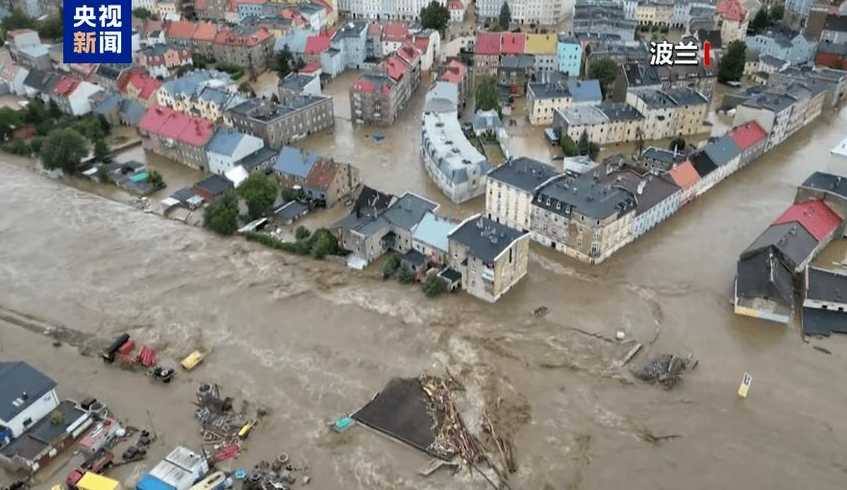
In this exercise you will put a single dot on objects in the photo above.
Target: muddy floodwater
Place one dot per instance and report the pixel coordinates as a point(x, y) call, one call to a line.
point(312, 340)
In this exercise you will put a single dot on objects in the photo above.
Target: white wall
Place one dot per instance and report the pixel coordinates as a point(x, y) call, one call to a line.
point(35, 412)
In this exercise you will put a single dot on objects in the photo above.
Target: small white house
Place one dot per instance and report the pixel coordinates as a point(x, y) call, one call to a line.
point(228, 147)
point(26, 396)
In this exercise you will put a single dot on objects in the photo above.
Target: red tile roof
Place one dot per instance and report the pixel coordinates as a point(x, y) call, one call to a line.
point(181, 29)
point(454, 72)
point(206, 31)
point(409, 53)
point(66, 86)
point(814, 215)
point(747, 134)
point(684, 175)
point(731, 10)
point(422, 43)
point(374, 28)
point(321, 174)
point(395, 31)
point(363, 85)
point(311, 68)
point(141, 81)
point(168, 123)
point(317, 44)
point(513, 43)
point(395, 67)
point(487, 43)
point(455, 5)
point(225, 36)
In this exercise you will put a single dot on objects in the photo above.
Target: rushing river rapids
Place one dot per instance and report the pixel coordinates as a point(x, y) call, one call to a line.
point(312, 340)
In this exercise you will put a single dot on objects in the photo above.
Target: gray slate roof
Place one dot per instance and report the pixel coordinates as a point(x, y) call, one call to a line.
point(225, 141)
point(524, 173)
point(295, 162)
point(722, 150)
point(485, 238)
point(17, 378)
point(826, 286)
point(827, 182)
point(790, 241)
point(763, 275)
point(408, 210)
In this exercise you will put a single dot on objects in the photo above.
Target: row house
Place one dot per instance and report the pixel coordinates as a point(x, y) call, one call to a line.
point(138, 85)
point(717, 160)
point(378, 97)
point(248, 47)
point(657, 198)
point(201, 93)
point(792, 47)
point(604, 17)
point(834, 30)
point(316, 46)
point(546, 97)
point(685, 176)
point(510, 189)
point(832, 55)
point(607, 123)
point(544, 48)
point(773, 112)
point(491, 257)
point(177, 136)
point(329, 181)
point(751, 139)
point(486, 53)
point(430, 238)
point(73, 96)
point(279, 124)
point(351, 42)
point(569, 55)
point(228, 148)
point(587, 217)
point(161, 60)
point(198, 37)
point(539, 12)
point(428, 43)
point(456, 72)
point(394, 35)
point(654, 12)
point(732, 21)
point(669, 113)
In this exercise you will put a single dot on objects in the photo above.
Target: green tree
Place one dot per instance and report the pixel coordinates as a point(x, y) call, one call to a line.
point(323, 243)
point(486, 95)
point(677, 144)
point(36, 112)
point(35, 144)
point(405, 276)
point(434, 286)
point(505, 18)
point(584, 144)
point(435, 16)
point(90, 127)
point(53, 110)
point(102, 152)
point(568, 145)
point(17, 147)
point(760, 22)
point(776, 13)
point(732, 63)
point(389, 267)
point(259, 191)
point(156, 180)
point(282, 63)
point(593, 150)
point(141, 13)
point(63, 148)
point(17, 19)
point(605, 70)
point(52, 27)
point(9, 121)
point(302, 233)
point(222, 215)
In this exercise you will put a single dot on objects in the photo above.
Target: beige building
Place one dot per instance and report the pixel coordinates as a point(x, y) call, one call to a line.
point(607, 123)
point(654, 13)
point(555, 92)
point(669, 113)
point(491, 257)
point(509, 190)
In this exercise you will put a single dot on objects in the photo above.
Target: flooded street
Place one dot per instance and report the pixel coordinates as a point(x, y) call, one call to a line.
point(313, 340)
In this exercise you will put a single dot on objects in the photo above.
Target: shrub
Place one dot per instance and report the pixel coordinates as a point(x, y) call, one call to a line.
point(301, 233)
point(389, 267)
point(434, 286)
point(405, 276)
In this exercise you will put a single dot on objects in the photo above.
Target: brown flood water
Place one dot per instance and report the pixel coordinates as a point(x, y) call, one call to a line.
point(312, 340)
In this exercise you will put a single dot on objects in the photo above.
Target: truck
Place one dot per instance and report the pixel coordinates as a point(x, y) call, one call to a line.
point(93, 481)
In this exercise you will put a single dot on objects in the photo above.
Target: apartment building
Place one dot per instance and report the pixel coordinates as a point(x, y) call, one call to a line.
point(510, 189)
point(177, 136)
point(669, 113)
point(279, 124)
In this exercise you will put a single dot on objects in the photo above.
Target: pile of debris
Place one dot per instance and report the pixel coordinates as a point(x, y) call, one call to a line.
point(122, 350)
point(279, 475)
point(666, 369)
point(223, 429)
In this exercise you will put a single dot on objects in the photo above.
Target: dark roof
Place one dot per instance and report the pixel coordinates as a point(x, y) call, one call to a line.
point(18, 378)
point(662, 155)
point(296, 81)
point(722, 150)
point(835, 23)
point(401, 410)
point(823, 322)
point(702, 164)
point(214, 184)
point(656, 189)
point(686, 96)
point(485, 238)
point(371, 201)
point(524, 173)
point(451, 275)
point(183, 195)
point(258, 158)
point(763, 275)
point(714, 37)
point(620, 111)
point(590, 194)
point(825, 285)
point(413, 257)
point(640, 75)
point(41, 80)
point(408, 210)
point(291, 210)
point(789, 240)
point(823, 181)
point(48, 432)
